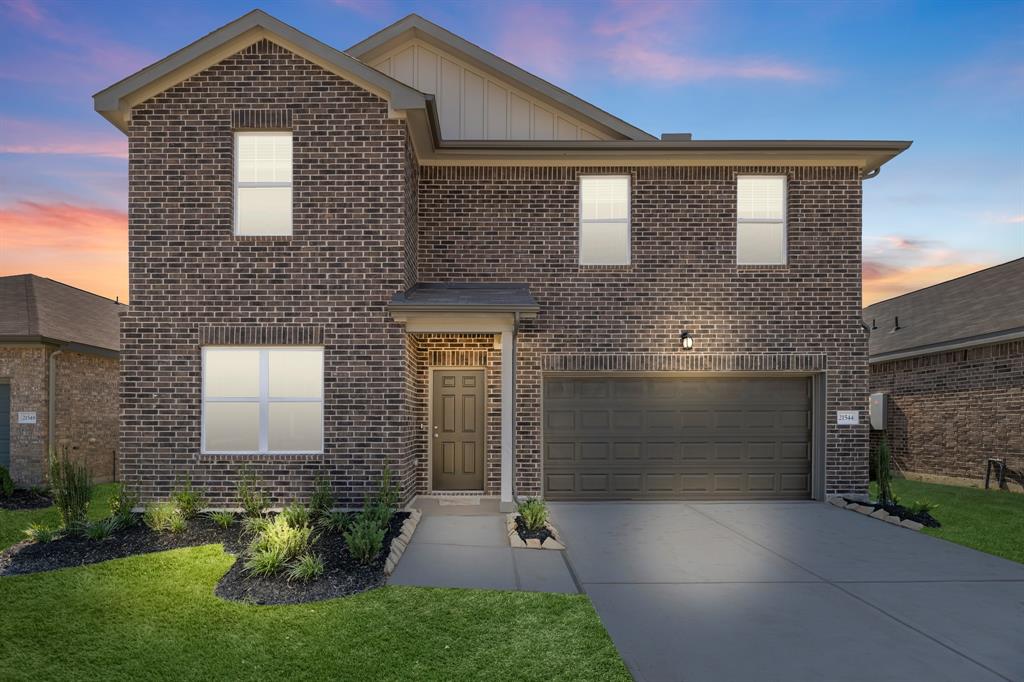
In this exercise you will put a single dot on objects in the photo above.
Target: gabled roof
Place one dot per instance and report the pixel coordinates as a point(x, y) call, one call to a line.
point(34, 308)
point(115, 102)
point(415, 26)
point(983, 307)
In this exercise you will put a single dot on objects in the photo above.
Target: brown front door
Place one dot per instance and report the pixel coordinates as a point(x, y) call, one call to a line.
point(458, 429)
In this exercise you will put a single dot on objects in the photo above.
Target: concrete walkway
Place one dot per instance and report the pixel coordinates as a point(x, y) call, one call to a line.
point(466, 546)
point(792, 591)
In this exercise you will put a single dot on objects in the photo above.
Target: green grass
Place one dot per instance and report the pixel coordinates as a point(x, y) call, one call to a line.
point(988, 520)
point(14, 523)
point(155, 617)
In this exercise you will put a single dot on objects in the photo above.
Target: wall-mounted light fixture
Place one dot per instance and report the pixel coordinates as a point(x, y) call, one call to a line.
point(686, 340)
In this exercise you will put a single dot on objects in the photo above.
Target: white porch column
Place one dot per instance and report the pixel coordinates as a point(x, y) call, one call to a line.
point(507, 398)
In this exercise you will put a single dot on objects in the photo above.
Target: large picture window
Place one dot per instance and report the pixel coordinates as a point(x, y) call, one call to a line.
point(263, 183)
point(262, 400)
point(761, 220)
point(604, 220)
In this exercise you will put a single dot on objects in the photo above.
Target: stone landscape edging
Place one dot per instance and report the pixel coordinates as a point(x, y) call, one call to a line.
point(399, 544)
point(879, 514)
point(516, 542)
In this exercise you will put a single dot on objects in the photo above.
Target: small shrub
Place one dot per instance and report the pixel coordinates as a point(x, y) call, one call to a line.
point(121, 505)
point(306, 567)
point(101, 530)
point(385, 503)
point(364, 538)
point(334, 521)
point(6, 483)
point(222, 518)
point(919, 507)
point(265, 562)
point(883, 471)
point(159, 517)
point(321, 501)
point(178, 523)
point(534, 512)
point(38, 532)
point(281, 537)
point(254, 525)
point(188, 501)
point(72, 490)
point(251, 497)
point(295, 515)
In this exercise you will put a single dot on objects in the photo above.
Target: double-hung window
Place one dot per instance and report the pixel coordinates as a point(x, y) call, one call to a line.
point(604, 220)
point(263, 183)
point(262, 400)
point(761, 220)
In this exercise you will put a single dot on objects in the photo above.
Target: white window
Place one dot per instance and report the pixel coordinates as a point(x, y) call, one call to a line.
point(761, 220)
point(262, 399)
point(263, 183)
point(604, 220)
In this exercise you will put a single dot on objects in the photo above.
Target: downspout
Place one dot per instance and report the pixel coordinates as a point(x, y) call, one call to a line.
point(51, 414)
point(512, 366)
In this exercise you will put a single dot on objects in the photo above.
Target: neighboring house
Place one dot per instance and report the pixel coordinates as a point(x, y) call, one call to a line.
point(950, 359)
point(58, 356)
point(414, 254)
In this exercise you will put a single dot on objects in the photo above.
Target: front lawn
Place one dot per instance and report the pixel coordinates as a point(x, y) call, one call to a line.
point(14, 523)
point(988, 520)
point(155, 617)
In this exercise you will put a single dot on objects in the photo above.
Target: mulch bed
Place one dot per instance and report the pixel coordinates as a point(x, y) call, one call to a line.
point(924, 519)
point(542, 534)
point(342, 575)
point(25, 499)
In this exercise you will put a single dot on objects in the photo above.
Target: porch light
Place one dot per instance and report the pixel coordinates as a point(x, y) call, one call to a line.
point(686, 340)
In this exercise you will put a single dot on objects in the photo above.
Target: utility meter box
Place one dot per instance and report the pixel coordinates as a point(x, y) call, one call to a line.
point(878, 406)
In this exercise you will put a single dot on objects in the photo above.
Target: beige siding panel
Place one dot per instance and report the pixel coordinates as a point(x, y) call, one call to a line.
point(472, 106)
point(518, 117)
point(426, 71)
point(543, 124)
point(497, 112)
point(403, 65)
point(450, 100)
point(566, 130)
point(384, 66)
point(587, 135)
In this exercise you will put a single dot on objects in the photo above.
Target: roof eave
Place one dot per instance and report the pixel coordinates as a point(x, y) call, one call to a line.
point(945, 346)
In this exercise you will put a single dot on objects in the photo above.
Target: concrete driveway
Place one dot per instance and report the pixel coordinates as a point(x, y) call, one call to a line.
point(792, 591)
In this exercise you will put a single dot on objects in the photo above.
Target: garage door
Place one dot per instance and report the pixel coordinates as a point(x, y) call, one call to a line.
point(677, 438)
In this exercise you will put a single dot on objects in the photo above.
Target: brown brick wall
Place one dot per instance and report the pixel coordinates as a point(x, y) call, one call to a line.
point(87, 411)
point(25, 369)
point(337, 271)
point(949, 412)
point(520, 225)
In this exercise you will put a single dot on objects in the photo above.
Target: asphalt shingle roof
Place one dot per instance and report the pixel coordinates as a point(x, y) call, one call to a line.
point(468, 296)
point(33, 307)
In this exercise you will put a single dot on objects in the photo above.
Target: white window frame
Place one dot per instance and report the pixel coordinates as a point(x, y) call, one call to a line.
point(592, 221)
point(236, 184)
point(755, 221)
point(264, 401)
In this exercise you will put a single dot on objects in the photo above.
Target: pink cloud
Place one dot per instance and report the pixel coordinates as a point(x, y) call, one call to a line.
point(539, 38)
point(32, 137)
point(367, 8)
point(636, 61)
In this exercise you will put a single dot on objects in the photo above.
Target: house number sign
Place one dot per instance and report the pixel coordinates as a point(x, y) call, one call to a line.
point(26, 417)
point(847, 417)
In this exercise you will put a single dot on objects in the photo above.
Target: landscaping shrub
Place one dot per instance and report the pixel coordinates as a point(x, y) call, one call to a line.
point(883, 472)
point(122, 502)
point(918, 507)
point(364, 538)
point(534, 512)
point(254, 525)
point(280, 535)
point(222, 518)
point(188, 501)
point(6, 483)
point(38, 532)
point(385, 503)
point(295, 515)
point(71, 487)
point(306, 567)
point(178, 523)
point(265, 562)
point(321, 501)
point(251, 497)
point(101, 530)
point(160, 517)
point(334, 521)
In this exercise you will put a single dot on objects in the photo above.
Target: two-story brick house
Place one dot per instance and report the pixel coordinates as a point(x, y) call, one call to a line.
point(414, 254)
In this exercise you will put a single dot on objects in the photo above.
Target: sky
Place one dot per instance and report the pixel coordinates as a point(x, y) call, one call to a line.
point(947, 75)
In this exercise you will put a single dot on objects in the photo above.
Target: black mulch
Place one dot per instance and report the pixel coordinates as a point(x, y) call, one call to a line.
point(25, 499)
point(924, 519)
point(342, 575)
point(542, 534)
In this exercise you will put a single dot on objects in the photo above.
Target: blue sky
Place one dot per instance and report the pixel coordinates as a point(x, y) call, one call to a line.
point(949, 76)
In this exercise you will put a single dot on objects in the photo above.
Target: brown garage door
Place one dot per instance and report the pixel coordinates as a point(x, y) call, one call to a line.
point(677, 438)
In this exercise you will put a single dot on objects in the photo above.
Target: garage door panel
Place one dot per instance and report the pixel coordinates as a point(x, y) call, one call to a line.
point(671, 437)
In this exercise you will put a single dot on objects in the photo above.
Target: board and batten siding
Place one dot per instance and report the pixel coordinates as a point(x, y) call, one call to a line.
point(472, 105)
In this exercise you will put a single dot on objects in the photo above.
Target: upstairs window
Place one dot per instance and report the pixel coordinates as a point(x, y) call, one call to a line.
point(761, 220)
point(262, 400)
point(263, 183)
point(604, 220)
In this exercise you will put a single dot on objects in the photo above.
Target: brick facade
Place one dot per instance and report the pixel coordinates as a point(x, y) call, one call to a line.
point(949, 412)
point(87, 410)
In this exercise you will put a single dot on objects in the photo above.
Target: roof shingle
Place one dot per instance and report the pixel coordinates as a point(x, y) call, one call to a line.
point(34, 308)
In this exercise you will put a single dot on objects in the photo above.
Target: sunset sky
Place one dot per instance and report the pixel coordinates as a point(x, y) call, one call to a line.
point(949, 76)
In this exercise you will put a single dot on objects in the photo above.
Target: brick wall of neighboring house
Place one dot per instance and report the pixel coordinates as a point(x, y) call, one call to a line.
point(519, 224)
point(24, 368)
point(87, 411)
point(192, 281)
point(949, 412)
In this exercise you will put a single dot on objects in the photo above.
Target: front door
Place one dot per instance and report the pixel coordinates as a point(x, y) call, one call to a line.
point(458, 430)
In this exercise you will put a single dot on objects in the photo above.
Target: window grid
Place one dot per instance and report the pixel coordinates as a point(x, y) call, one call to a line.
point(626, 222)
point(781, 220)
point(239, 184)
